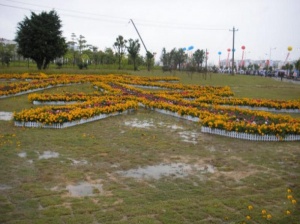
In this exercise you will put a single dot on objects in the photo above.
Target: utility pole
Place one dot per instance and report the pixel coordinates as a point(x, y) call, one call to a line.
point(139, 34)
point(233, 50)
point(149, 55)
point(205, 63)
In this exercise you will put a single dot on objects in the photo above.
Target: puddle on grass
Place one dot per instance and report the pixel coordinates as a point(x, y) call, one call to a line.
point(178, 170)
point(186, 136)
point(175, 127)
point(189, 136)
point(78, 162)
point(139, 124)
point(6, 116)
point(4, 187)
point(48, 155)
point(84, 189)
point(22, 154)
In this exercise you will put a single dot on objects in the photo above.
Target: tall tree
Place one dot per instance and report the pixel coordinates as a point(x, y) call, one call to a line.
point(198, 56)
point(81, 44)
point(164, 58)
point(40, 38)
point(179, 57)
point(120, 46)
point(149, 60)
point(73, 43)
point(133, 49)
point(6, 53)
point(108, 56)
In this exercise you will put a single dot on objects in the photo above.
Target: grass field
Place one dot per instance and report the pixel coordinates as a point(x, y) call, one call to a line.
point(146, 167)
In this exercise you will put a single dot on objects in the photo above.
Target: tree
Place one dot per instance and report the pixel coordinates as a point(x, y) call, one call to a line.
point(256, 67)
point(198, 56)
point(164, 58)
point(6, 53)
point(179, 57)
point(81, 44)
point(120, 46)
point(149, 60)
point(108, 56)
point(40, 38)
point(73, 44)
point(133, 49)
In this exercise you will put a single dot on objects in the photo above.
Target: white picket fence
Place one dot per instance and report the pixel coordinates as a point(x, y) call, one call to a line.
point(174, 114)
point(247, 136)
point(67, 124)
point(34, 90)
point(148, 87)
point(265, 109)
point(36, 102)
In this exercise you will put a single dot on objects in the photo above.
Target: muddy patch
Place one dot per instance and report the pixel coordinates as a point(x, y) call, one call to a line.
point(6, 116)
point(48, 155)
point(177, 170)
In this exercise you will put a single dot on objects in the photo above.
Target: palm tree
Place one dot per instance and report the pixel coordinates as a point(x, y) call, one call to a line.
point(120, 46)
point(133, 50)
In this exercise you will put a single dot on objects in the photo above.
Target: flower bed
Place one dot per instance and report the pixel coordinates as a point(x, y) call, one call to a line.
point(61, 114)
point(33, 124)
point(247, 136)
point(262, 104)
point(120, 93)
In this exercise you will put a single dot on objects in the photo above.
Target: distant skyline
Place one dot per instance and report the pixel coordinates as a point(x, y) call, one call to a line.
point(263, 25)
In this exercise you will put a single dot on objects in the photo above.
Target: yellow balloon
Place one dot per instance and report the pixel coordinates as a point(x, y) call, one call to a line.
point(290, 48)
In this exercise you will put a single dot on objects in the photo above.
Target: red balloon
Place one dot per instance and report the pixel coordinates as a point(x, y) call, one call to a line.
point(243, 47)
point(228, 49)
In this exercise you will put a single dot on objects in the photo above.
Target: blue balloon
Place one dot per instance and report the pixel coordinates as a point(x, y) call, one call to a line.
point(233, 50)
point(184, 49)
point(219, 53)
point(190, 48)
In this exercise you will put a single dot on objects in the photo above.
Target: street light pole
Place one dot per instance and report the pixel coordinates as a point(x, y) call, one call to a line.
point(233, 32)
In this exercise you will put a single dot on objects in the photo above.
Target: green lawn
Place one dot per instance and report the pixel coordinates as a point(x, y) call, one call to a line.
point(146, 167)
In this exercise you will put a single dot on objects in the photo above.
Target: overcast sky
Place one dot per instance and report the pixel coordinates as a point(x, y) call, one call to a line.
point(263, 25)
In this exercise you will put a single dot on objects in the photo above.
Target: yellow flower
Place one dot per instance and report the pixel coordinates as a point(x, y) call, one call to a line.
point(289, 191)
point(250, 207)
point(290, 197)
point(248, 217)
point(264, 211)
point(294, 202)
point(288, 212)
point(269, 216)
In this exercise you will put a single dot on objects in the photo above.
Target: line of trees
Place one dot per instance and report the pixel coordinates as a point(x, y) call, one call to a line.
point(40, 39)
point(178, 59)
